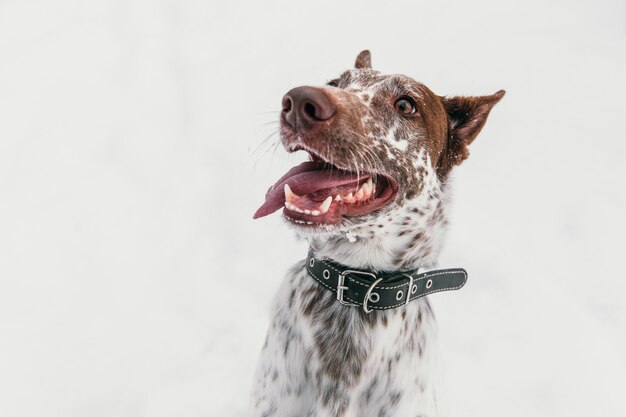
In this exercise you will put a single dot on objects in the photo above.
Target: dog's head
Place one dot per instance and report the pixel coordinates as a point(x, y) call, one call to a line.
point(376, 142)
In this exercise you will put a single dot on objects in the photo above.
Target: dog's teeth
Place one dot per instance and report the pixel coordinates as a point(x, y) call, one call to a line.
point(292, 207)
point(349, 196)
point(309, 222)
point(289, 195)
point(337, 197)
point(315, 212)
point(326, 204)
point(359, 194)
point(307, 211)
point(368, 187)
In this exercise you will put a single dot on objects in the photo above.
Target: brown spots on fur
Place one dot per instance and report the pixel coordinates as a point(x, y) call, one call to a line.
point(334, 331)
point(346, 366)
point(310, 298)
point(399, 257)
point(292, 296)
point(428, 311)
point(373, 385)
point(405, 257)
point(394, 399)
point(437, 216)
point(340, 355)
point(418, 247)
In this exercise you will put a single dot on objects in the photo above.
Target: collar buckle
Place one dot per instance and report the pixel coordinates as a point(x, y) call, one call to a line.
point(341, 287)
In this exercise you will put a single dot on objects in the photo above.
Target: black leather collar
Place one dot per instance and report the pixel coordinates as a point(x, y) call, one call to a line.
point(381, 290)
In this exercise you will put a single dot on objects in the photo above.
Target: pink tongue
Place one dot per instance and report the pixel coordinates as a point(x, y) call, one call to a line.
point(303, 179)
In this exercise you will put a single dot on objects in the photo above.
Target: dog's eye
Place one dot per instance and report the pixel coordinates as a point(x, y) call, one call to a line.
point(405, 105)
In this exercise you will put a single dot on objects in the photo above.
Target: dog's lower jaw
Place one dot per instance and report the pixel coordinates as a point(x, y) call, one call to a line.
point(322, 358)
point(408, 237)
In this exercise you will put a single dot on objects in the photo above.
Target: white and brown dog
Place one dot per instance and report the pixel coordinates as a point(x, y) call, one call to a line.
point(371, 202)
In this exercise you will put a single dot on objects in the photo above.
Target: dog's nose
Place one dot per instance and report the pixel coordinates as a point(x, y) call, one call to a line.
point(304, 107)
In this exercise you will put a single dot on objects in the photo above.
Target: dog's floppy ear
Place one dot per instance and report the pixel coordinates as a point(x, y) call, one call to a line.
point(467, 116)
point(363, 60)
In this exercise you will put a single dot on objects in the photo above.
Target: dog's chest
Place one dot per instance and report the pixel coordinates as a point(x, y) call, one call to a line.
point(328, 358)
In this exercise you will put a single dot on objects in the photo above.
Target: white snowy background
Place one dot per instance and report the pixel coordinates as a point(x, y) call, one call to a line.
point(132, 157)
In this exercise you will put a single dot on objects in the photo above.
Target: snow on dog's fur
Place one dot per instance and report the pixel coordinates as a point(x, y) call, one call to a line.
point(322, 358)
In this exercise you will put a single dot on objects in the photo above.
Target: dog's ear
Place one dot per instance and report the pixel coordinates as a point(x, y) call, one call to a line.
point(467, 116)
point(363, 60)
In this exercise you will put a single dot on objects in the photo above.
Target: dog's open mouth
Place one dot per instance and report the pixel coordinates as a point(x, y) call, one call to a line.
point(317, 193)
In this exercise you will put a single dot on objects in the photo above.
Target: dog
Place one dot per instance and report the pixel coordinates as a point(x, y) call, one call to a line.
point(352, 334)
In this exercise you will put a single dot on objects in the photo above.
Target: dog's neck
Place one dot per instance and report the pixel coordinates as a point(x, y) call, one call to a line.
point(406, 238)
